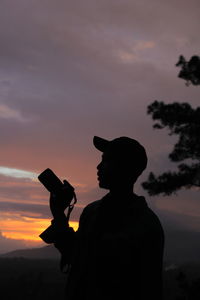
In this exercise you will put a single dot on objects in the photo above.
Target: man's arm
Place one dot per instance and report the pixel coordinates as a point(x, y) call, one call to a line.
point(67, 240)
point(59, 233)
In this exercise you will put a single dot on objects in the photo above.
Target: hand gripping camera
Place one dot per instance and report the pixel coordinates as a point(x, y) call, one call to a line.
point(55, 186)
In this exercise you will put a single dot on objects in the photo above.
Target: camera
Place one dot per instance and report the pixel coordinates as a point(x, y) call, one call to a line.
point(55, 186)
point(52, 183)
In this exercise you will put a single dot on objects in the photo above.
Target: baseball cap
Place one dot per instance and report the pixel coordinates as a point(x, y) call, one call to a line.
point(124, 149)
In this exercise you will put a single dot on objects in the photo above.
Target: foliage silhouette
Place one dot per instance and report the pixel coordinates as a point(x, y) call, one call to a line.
point(184, 121)
point(190, 70)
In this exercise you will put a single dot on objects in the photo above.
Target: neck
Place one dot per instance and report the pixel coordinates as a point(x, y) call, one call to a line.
point(122, 191)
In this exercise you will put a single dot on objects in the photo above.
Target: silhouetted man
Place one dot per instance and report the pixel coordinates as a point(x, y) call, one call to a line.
point(117, 252)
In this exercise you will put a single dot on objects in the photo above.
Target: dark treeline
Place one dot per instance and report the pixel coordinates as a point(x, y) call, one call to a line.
point(37, 279)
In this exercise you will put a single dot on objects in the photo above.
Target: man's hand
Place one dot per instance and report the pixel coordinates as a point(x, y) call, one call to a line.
point(59, 202)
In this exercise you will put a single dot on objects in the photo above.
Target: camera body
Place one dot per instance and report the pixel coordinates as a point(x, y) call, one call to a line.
point(52, 183)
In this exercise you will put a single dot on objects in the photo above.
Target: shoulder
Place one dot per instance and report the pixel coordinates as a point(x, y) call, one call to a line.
point(90, 210)
point(146, 218)
point(92, 206)
point(148, 215)
point(152, 225)
point(152, 217)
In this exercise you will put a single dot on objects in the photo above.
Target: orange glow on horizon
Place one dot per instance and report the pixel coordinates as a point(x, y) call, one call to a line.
point(26, 228)
point(18, 222)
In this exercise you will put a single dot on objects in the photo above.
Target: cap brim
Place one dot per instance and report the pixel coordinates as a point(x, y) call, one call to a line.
point(100, 143)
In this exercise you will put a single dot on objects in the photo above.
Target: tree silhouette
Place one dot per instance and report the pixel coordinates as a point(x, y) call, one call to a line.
point(184, 121)
point(190, 70)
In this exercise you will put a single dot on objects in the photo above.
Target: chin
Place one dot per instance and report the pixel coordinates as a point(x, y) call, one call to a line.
point(104, 185)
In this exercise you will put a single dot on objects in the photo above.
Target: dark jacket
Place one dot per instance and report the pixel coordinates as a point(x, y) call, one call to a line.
point(117, 252)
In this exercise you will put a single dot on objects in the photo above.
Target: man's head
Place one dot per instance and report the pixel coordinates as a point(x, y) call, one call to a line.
point(123, 161)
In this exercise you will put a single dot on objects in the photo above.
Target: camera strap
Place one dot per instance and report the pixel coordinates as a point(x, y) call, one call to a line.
point(71, 206)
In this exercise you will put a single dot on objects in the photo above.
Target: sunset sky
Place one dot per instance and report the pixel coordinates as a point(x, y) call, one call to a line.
point(74, 69)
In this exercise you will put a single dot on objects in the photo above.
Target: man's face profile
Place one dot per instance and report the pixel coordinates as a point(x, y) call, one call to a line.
point(111, 171)
point(105, 172)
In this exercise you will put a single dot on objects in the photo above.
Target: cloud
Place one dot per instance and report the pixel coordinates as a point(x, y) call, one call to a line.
point(7, 244)
point(9, 113)
point(135, 52)
point(143, 45)
point(17, 173)
point(26, 210)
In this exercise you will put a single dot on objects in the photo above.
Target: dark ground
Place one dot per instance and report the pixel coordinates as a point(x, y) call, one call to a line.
point(41, 279)
point(28, 279)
